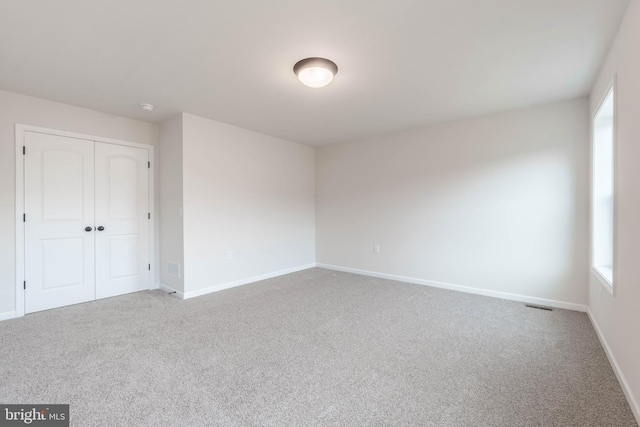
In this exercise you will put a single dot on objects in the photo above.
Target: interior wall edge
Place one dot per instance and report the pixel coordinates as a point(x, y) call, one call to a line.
point(246, 281)
point(460, 288)
point(624, 384)
point(8, 315)
point(170, 290)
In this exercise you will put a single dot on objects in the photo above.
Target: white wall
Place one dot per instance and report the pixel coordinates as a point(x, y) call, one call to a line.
point(171, 230)
point(16, 108)
point(497, 203)
point(247, 193)
point(618, 317)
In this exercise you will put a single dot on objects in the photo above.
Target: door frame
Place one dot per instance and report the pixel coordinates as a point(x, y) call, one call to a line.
point(20, 226)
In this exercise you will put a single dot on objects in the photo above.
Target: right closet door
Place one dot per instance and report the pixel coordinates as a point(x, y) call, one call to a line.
point(122, 219)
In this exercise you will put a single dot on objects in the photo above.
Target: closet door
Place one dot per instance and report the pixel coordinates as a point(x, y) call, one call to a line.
point(59, 213)
point(121, 220)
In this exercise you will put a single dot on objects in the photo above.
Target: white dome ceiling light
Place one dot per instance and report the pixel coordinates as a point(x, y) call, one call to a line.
point(315, 72)
point(146, 107)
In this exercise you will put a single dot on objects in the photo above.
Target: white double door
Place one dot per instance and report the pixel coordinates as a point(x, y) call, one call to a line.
point(86, 220)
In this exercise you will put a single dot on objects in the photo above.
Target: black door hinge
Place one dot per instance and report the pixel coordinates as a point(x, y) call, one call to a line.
point(24, 150)
point(149, 165)
point(149, 267)
point(24, 217)
point(25, 285)
point(149, 215)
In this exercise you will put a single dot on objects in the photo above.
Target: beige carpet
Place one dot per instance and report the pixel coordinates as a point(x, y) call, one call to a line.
point(313, 348)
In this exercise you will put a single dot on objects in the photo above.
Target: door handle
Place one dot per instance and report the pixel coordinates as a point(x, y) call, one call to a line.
point(101, 228)
point(88, 229)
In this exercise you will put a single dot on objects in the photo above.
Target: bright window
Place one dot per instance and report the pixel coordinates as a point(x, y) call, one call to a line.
point(602, 189)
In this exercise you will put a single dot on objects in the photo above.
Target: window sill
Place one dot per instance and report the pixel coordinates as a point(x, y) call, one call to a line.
point(605, 276)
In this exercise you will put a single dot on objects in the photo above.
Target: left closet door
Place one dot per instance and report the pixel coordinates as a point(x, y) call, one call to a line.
point(59, 230)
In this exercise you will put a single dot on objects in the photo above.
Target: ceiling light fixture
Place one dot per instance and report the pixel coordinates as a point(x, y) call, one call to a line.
point(315, 72)
point(146, 107)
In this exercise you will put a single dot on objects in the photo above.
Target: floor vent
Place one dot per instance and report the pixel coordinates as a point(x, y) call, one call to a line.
point(539, 307)
point(173, 269)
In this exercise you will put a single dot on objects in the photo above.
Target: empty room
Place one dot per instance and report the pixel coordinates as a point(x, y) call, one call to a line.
point(320, 213)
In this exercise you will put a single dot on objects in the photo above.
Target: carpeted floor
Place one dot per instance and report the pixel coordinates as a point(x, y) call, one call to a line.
point(313, 348)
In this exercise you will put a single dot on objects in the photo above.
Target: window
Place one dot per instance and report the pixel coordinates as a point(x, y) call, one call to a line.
point(602, 189)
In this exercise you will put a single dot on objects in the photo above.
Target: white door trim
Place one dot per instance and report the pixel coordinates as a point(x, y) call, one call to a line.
point(20, 130)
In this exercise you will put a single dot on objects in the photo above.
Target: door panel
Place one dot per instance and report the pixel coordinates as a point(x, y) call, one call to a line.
point(122, 207)
point(62, 182)
point(59, 258)
point(123, 193)
point(123, 255)
point(59, 204)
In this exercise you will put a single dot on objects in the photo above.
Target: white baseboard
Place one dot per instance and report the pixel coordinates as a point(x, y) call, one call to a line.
point(241, 282)
point(7, 315)
point(170, 290)
point(633, 403)
point(460, 288)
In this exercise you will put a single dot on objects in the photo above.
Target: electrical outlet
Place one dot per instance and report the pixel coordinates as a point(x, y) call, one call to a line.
point(229, 254)
point(376, 249)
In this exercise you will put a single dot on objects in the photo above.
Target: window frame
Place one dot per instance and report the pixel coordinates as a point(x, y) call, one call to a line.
point(610, 88)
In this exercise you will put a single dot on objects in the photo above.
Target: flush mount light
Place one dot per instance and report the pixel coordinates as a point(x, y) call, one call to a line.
point(315, 72)
point(146, 107)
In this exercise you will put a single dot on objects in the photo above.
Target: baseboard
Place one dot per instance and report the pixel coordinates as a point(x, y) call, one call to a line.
point(7, 315)
point(460, 288)
point(170, 290)
point(633, 403)
point(241, 282)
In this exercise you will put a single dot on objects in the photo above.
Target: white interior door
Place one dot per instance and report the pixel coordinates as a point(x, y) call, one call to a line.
point(59, 205)
point(122, 219)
